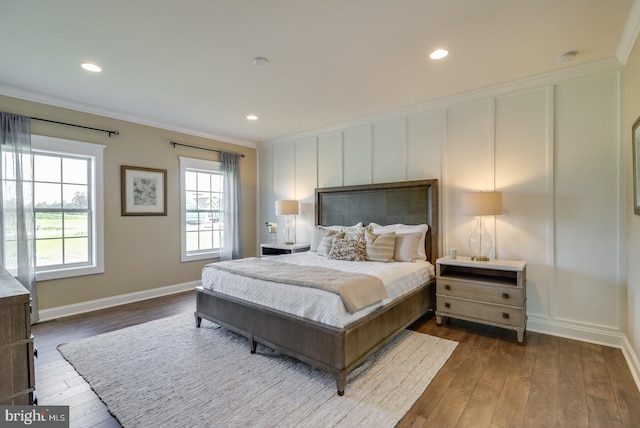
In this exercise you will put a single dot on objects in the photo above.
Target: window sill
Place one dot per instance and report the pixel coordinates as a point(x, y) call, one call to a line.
point(68, 273)
point(201, 256)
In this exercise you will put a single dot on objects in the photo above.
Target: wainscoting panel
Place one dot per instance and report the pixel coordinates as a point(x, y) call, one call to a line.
point(389, 151)
point(469, 154)
point(587, 201)
point(357, 156)
point(425, 140)
point(523, 173)
point(266, 195)
point(330, 160)
point(305, 183)
point(284, 177)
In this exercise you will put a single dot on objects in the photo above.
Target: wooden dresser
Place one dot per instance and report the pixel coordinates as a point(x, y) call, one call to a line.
point(492, 292)
point(17, 377)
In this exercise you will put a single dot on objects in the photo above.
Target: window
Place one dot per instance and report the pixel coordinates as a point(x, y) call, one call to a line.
point(68, 204)
point(201, 209)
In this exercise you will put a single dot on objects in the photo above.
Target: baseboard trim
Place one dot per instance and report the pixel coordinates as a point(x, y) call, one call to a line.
point(109, 302)
point(632, 360)
point(591, 335)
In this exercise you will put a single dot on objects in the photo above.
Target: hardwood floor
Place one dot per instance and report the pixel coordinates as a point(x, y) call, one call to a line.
point(489, 381)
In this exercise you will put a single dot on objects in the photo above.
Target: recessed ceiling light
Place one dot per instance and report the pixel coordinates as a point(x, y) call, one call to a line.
point(260, 60)
point(91, 67)
point(252, 117)
point(439, 54)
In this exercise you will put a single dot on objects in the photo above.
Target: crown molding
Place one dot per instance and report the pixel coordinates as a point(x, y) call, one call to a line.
point(630, 33)
point(85, 108)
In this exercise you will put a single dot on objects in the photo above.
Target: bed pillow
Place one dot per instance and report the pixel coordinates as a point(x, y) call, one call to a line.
point(379, 248)
point(406, 248)
point(320, 232)
point(325, 244)
point(403, 229)
point(354, 232)
point(351, 250)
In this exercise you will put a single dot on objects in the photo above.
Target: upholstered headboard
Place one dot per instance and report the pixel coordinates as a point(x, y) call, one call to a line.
point(407, 202)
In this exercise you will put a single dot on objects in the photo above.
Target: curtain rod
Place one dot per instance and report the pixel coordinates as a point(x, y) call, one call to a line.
point(78, 126)
point(174, 144)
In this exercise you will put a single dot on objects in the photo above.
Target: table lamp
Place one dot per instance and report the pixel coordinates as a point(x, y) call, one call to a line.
point(288, 208)
point(481, 204)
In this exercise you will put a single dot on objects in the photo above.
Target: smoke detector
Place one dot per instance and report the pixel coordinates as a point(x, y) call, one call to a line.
point(260, 60)
point(567, 56)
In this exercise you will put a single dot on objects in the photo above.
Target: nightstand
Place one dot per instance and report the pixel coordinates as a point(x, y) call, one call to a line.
point(278, 249)
point(492, 292)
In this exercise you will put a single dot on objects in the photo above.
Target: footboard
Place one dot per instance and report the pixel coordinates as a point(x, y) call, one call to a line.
point(337, 350)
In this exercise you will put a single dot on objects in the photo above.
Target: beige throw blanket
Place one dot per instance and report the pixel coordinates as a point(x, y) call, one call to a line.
point(357, 290)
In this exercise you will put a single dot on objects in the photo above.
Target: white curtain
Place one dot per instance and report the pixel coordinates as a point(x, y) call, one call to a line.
point(232, 246)
point(17, 227)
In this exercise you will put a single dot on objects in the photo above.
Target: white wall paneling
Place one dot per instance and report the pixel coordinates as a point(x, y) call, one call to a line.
point(425, 140)
point(330, 160)
point(587, 201)
point(266, 195)
point(552, 148)
point(524, 230)
point(305, 183)
point(284, 173)
point(389, 151)
point(357, 156)
point(469, 167)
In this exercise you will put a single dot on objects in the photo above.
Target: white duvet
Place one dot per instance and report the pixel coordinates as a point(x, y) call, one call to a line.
point(315, 304)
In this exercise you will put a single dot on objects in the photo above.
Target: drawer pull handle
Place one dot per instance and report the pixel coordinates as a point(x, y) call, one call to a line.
point(505, 295)
point(505, 315)
point(447, 287)
point(447, 305)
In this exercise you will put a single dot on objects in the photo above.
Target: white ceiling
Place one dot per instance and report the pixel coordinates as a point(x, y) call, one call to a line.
point(188, 66)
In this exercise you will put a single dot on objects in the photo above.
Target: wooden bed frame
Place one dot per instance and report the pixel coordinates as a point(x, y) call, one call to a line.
point(339, 350)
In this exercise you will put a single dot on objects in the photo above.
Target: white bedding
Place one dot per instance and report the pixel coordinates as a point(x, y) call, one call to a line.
point(312, 303)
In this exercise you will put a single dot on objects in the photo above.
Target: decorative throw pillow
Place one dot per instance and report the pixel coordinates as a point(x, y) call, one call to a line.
point(351, 250)
point(325, 244)
point(380, 248)
point(320, 232)
point(406, 248)
point(403, 229)
point(354, 232)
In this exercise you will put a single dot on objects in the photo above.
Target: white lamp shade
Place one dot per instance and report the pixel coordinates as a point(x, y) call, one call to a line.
point(287, 207)
point(481, 203)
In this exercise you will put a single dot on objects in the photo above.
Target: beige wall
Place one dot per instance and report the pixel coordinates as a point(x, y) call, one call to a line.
point(632, 112)
point(141, 253)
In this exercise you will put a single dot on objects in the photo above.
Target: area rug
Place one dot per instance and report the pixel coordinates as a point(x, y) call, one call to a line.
point(168, 373)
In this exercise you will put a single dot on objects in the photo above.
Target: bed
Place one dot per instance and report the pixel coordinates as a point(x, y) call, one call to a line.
point(340, 349)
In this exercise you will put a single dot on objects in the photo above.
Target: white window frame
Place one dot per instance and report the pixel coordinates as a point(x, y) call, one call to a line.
point(60, 146)
point(206, 165)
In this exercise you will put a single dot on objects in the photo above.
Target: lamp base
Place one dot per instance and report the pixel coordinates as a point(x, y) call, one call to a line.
point(480, 259)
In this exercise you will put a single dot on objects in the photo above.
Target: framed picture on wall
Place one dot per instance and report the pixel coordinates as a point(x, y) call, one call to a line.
point(144, 190)
point(635, 141)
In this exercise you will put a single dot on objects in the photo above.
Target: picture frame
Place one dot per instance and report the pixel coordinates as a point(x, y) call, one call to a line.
point(144, 191)
point(635, 142)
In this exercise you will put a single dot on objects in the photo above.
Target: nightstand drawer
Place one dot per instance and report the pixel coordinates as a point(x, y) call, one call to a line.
point(499, 314)
point(487, 293)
